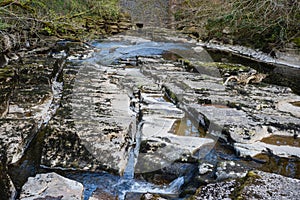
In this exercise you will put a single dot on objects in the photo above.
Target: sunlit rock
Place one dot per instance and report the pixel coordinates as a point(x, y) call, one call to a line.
point(51, 185)
point(256, 185)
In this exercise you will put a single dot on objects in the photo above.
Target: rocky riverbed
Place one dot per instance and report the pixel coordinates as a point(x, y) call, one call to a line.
point(144, 115)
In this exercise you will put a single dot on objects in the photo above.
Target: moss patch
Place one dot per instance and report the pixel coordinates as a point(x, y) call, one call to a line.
point(249, 179)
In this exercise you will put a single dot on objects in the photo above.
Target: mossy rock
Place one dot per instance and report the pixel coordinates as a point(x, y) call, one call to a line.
point(249, 179)
point(222, 68)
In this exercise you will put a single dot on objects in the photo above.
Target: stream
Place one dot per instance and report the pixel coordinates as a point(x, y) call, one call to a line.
point(124, 56)
point(147, 112)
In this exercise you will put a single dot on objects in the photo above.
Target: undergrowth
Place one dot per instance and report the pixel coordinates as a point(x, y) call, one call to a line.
point(263, 24)
point(63, 18)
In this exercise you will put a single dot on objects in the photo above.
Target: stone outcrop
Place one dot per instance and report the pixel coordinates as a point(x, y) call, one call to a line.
point(100, 114)
point(240, 115)
point(7, 189)
point(30, 93)
point(30, 96)
point(51, 186)
point(138, 108)
point(256, 185)
point(99, 124)
point(159, 146)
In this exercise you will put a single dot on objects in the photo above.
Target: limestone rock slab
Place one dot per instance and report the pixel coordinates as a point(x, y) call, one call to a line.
point(51, 185)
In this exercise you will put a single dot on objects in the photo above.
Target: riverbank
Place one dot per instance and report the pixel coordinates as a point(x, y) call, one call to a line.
point(268, 26)
point(30, 26)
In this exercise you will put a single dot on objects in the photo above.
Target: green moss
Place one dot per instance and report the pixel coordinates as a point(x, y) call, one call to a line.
point(225, 66)
point(297, 41)
point(3, 25)
point(249, 179)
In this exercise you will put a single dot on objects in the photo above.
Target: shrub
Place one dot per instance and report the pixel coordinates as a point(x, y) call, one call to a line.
point(264, 24)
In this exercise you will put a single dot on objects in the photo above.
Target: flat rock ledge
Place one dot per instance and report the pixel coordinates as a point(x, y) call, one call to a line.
point(94, 127)
point(241, 115)
point(51, 186)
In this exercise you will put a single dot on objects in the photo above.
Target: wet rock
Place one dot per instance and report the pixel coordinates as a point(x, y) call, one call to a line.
point(240, 115)
point(205, 168)
point(159, 147)
point(256, 185)
point(133, 195)
point(16, 135)
point(147, 196)
point(99, 194)
point(229, 170)
point(158, 152)
point(151, 197)
point(290, 105)
point(102, 103)
point(221, 190)
point(251, 53)
point(51, 186)
point(235, 115)
point(169, 173)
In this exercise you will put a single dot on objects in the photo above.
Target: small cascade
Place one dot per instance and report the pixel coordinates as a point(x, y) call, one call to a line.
point(144, 187)
point(134, 152)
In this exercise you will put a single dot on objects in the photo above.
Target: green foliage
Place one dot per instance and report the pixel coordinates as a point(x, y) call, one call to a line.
point(66, 18)
point(3, 25)
point(264, 24)
point(47, 30)
point(296, 41)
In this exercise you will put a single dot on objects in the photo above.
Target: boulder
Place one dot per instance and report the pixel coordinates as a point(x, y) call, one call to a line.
point(51, 186)
point(256, 185)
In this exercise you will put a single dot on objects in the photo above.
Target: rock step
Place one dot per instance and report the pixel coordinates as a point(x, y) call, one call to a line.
point(101, 120)
point(246, 114)
point(159, 147)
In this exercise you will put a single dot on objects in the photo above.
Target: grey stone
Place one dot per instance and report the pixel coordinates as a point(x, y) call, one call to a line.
point(100, 119)
point(99, 194)
point(230, 170)
point(28, 107)
point(256, 185)
point(51, 185)
point(205, 168)
point(256, 148)
point(272, 186)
